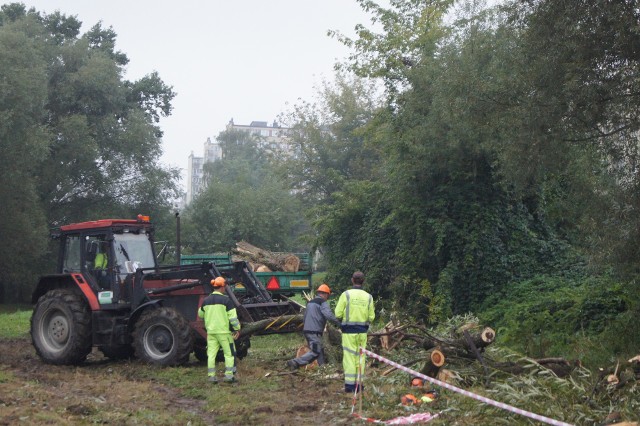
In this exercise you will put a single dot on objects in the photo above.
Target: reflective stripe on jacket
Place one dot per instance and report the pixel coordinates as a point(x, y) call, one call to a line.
point(355, 309)
point(218, 313)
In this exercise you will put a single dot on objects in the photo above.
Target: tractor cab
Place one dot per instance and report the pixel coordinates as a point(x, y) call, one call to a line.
point(107, 253)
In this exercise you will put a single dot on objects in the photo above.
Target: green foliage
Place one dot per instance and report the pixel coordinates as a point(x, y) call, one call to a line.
point(355, 236)
point(482, 182)
point(328, 139)
point(556, 316)
point(244, 200)
point(78, 142)
point(225, 213)
point(23, 148)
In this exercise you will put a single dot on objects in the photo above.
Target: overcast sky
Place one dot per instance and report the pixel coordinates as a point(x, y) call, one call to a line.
point(241, 59)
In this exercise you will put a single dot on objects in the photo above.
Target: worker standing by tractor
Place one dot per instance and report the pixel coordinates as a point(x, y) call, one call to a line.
point(356, 310)
point(316, 316)
point(220, 318)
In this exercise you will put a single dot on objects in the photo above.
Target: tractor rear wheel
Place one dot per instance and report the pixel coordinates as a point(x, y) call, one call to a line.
point(61, 328)
point(163, 337)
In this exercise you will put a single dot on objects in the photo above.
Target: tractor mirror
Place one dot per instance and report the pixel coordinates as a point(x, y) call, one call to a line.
point(92, 248)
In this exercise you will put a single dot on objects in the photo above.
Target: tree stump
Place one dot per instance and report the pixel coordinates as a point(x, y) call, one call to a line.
point(433, 364)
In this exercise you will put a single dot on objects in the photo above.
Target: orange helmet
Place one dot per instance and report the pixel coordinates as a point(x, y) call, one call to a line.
point(218, 282)
point(409, 399)
point(417, 382)
point(324, 288)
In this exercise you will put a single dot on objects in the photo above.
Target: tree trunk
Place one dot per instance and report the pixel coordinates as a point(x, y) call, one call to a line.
point(481, 339)
point(287, 262)
point(433, 364)
point(272, 325)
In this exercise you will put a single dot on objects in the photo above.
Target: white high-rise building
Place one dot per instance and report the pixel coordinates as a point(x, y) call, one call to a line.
point(195, 168)
point(272, 137)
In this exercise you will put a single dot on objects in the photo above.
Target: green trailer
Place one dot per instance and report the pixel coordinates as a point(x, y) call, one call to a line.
point(277, 282)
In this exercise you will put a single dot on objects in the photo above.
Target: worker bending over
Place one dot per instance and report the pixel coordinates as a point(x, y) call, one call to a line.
point(316, 316)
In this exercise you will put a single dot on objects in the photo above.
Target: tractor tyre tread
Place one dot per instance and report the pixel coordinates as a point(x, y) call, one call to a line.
point(54, 306)
point(176, 325)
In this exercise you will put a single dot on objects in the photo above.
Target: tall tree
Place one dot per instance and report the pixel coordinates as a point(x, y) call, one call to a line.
point(327, 139)
point(583, 93)
point(23, 148)
point(451, 227)
point(106, 144)
point(243, 200)
point(78, 140)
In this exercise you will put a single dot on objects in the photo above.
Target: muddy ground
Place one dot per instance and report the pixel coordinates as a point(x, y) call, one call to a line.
point(103, 391)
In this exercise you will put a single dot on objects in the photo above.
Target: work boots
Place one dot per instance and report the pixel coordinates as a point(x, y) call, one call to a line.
point(292, 365)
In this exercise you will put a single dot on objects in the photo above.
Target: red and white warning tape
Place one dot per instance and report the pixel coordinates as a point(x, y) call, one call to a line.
point(407, 420)
point(467, 393)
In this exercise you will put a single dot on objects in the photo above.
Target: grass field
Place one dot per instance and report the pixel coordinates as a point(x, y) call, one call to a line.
point(14, 321)
point(129, 392)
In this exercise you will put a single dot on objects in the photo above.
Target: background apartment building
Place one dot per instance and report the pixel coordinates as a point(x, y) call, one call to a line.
point(272, 137)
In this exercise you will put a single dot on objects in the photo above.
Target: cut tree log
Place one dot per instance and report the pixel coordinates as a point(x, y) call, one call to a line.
point(434, 362)
point(560, 366)
point(291, 263)
point(447, 376)
point(303, 350)
point(472, 345)
point(287, 262)
point(390, 336)
point(481, 339)
point(287, 322)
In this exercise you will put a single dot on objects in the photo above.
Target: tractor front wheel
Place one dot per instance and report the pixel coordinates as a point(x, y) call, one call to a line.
point(163, 337)
point(200, 350)
point(61, 328)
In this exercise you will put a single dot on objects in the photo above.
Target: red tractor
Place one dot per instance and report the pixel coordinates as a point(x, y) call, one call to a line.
point(110, 292)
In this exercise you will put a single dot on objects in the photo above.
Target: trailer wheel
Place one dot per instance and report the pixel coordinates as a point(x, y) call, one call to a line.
point(163, 337)
point(61, 328)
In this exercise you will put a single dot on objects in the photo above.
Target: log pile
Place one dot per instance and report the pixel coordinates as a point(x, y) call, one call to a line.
point(264, 260)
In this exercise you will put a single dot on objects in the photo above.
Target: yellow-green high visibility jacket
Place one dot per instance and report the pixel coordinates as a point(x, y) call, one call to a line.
point(219, 314)
point(100, 262)
point(356, 310)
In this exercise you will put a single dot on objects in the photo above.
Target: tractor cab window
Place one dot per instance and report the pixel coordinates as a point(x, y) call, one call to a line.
point(71, 261)
point(97, 252)
point(97, 259)
point(133, 251)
